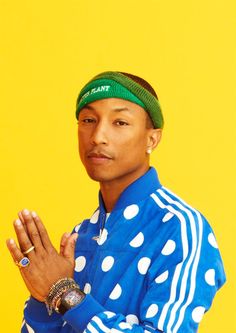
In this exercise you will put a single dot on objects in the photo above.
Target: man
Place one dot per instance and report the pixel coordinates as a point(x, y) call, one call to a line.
point(145, 261)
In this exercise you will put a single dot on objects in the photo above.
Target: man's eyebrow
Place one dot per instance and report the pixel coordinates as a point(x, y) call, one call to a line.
point(119, 109)
point(87, 106)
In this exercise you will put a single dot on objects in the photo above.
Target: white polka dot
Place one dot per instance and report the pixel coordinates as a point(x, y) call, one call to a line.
point(87, 288)
point(198, 313)
point(210, 277)
point(143, 265)
point(132, 319)
point(138, 240)
point(116, 292)
point(80, 263)
point(168, 248)
point(124, 325)
point(109, 314)
point(167, 217)
point(161, 278)
point(107, 263)
point(152, 311)
point(29, 328)
point(212, 240)
point(77, 227)
point(103, 237)
point(131, 211)
point(95, 216)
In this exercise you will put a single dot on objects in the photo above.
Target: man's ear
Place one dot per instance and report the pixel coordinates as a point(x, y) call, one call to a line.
point(154, 137)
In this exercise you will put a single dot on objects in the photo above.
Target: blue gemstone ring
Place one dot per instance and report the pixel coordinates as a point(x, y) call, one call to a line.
point(24, 262)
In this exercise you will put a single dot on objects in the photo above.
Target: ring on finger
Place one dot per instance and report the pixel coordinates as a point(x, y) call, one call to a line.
point(29, 250)
point(24, 262)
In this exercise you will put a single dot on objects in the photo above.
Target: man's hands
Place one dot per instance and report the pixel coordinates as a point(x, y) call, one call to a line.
point(46, 264)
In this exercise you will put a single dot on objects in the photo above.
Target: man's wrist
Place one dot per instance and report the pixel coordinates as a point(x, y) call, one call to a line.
point(69, 299)
point(60, 289)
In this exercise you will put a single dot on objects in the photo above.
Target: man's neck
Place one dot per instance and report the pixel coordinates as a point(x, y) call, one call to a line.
point(111, 190)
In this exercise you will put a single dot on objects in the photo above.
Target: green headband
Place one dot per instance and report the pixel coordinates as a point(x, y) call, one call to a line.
point(118, 85)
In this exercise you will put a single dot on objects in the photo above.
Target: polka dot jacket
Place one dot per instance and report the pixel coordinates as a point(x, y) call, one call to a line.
point(151, 265)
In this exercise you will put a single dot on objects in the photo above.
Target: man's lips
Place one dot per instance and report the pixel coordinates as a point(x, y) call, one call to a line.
point(99, 157)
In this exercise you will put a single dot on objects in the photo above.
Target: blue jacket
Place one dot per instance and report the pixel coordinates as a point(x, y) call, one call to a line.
point(151, 265)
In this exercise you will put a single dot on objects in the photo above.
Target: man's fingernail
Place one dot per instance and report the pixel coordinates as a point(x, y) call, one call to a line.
point(26, 212)
point(18, 222)
point(11, 241)
point(33, 214)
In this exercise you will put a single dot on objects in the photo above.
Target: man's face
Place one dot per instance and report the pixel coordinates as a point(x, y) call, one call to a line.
point(113, 140)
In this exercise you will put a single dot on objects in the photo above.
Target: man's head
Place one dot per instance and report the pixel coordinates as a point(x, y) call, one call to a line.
point(120, 123)
point(125, 86)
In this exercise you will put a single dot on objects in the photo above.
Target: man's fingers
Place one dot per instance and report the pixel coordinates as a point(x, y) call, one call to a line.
point(63, 242)
point(22, 219)
point(32, 229)
point(36, 230)
point(22, 236)
point(42, 231)
point(16, 253)
point(69, 248)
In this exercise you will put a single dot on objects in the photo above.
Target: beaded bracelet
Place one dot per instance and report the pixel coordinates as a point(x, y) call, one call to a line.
point(56, 291)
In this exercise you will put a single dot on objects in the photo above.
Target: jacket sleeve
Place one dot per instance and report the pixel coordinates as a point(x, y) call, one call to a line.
point(89, 317)
point(36, 318)
point(175, 299)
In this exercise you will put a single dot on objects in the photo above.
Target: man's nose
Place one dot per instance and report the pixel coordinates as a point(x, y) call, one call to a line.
point(99, 135)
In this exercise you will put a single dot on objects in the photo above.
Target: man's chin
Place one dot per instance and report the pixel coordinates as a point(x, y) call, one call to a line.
point(99, 176)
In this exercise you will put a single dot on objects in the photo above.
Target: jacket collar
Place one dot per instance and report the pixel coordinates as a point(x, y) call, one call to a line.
point(137, 191)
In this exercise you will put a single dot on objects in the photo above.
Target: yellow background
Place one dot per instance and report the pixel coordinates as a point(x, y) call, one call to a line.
point(186, 49)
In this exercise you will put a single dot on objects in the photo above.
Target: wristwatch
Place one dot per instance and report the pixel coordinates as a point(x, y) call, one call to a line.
point(70, 299)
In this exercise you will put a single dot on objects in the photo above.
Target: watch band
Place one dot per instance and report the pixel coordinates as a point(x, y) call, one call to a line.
point(70, 299)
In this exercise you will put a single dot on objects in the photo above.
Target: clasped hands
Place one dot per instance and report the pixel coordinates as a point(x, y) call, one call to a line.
point(46, 265)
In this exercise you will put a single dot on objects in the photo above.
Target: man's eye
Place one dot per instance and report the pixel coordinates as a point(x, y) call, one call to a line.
point(121, 123)
point(88, 120)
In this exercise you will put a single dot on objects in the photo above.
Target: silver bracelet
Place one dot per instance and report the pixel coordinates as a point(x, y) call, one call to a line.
point(56, 291)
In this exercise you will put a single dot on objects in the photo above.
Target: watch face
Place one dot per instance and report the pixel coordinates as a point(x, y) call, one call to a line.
point(73, 298)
